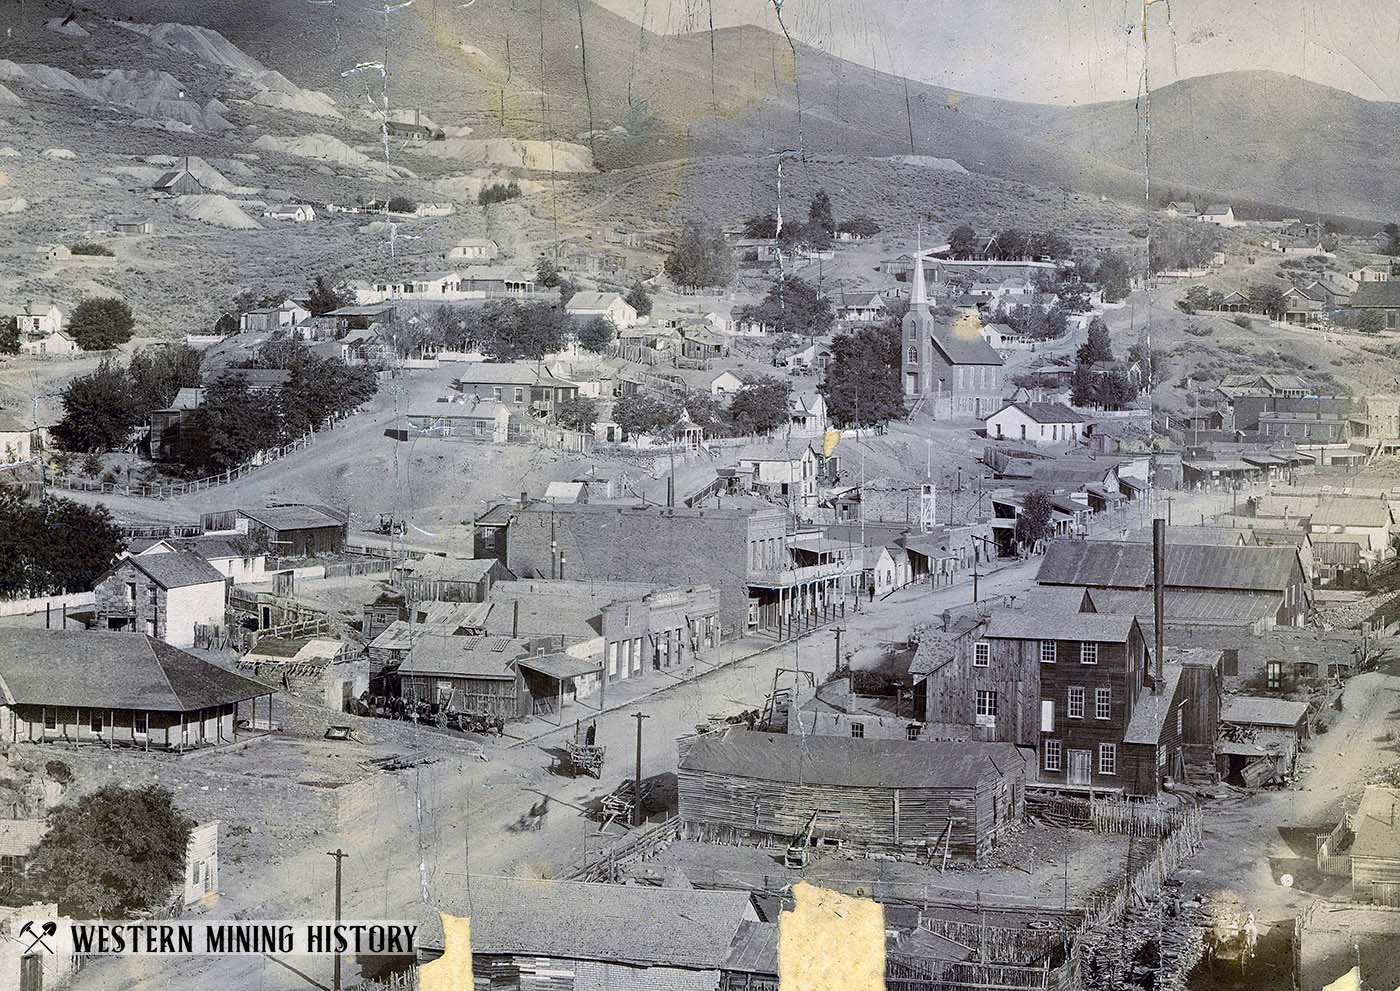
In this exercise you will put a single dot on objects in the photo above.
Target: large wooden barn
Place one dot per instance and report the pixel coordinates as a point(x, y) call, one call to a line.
point(892, 796)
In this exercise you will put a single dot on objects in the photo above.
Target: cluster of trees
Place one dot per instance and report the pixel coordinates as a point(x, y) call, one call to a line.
point(114, 853)
point(1036, 323)
point(862, 387)
point(792, 306)
point(101, 409)
point(498, 192)
point(700, 259)
point(1111, 271)
point(90, 249)
point(1012, 244)
point(1182, 245)
point(101, 323)
point(760, 407)
point(9, 336)
point(53, 545)
point(817, 232)
point(1107, 389)
point(1035, 521)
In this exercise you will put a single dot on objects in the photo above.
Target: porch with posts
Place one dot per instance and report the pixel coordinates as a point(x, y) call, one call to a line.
point(788, 603)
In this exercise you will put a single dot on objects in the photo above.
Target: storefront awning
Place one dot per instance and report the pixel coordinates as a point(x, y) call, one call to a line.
point(558, 666)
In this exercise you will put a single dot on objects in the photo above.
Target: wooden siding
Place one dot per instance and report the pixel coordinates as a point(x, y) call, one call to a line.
point(483, 695)
point(950, 693)
point(164, 730)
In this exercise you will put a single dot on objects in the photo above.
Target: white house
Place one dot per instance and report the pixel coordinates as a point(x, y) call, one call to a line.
point(266, 319)
point(1003, 337)
point(434, 210)
point(57, 252)
point(861, 307)
point(52, 345)
point(16, 439)
point(725, 384)
point(1370, 273)
point(38, 318)
point(807, 411)
point(297, 213)
point(1220, 214)
point(586, 305)
point(1041, 424)
point(720, 323)
point(474, 249)
point(242, 567)
point(782, 474)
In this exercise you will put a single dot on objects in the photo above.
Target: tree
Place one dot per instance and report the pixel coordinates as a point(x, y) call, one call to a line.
point(1392, 231)
point(1033, 522)
point(862, 385)
point(1097, 346)
point(1115, 391)
point(99, 411)
point(508, 330)
point(700, 258)
point(1083, 387)
point(1151, 372)
point(645, 413)
point(962, 242)
point(402, 204)
point(230, 427)
point(1012, 244)
point(1369, 321)
point(859, 227)
point(567, 288)
point(112, 853)
point(53, 546)
point(101, 323)
point(498, 193)
point(821, 223)
point(596, 334)
point(158, 374)
point(546, 272)
point(9, 336)
point(325, 297)
point(761, 406)
point(639, 299)
point(578, 413)
point(793, 306)
point(1267, 300)
point(1200, 298)
point(1114, 275)
point(761, 228)
point(226, 325)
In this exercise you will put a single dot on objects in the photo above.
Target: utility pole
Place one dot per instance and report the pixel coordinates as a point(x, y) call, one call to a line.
point(974, 571)
point(838, 631)
point(637, 807)
point(339, 855)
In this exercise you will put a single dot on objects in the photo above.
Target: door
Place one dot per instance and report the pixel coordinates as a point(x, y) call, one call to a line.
point(1080, 767)
point(911, 383)
point(345, 689)
point(31, 972)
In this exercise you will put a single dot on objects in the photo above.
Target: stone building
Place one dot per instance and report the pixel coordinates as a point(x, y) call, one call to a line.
point(161, 595)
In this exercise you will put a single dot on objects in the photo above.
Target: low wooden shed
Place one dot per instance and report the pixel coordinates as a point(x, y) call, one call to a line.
point(894, 796)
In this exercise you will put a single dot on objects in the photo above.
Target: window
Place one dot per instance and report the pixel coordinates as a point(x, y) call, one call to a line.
point(986, 706)
point(912, 731)
point(1076, 703)
point(1274, 672)
point(1052, 755)
point(496, 392)
point(130, 591)
point(1103, 703)
point(1161, 757)
point(913, 356)
point(1108, 758)
point(1047, 715)
point(138, 723)
point(11, 864)
point(1047, 652)
point(1088, 653)
point(519, 394)
point(96, 722)
point(858, 731)
point(981, 655)
point(50, 718)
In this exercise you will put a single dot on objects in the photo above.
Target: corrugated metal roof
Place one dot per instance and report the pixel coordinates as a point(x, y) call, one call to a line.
point(1120, 564)
point(843, 761)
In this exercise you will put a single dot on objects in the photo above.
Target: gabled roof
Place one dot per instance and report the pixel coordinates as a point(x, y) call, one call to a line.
point(1044, 412)
point(292, 517)
point(1152, 711)
point(464, 657)
point(176, 569)
point(1216, 210)
point(683, 928)
point(1376, 824)
point(169, 179)
point(584, 300)
point(113, 671)
point(1370, 294)
point(1121, 564)
point(1037, 624)
point(964, 349)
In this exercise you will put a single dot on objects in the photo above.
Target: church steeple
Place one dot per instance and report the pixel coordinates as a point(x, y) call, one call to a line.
point(918, 297)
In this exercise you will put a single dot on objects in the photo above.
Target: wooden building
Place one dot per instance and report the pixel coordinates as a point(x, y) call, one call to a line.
point(1375, 850)
point(531, 935)
point(1265, 734)
point(117, 690)
point(450, 579)
point(298, 531)
point(889, 796)
point(467, 673)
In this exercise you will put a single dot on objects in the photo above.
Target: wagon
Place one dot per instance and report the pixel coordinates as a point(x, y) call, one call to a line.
point(584, 759)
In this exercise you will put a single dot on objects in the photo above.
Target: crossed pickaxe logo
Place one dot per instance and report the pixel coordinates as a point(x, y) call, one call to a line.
point(36, 938)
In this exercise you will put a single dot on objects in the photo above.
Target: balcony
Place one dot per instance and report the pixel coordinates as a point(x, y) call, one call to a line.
point(792, 576)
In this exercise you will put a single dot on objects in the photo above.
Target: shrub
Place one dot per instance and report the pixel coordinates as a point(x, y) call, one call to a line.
point(101, 323)
point(1241, 320)
point(402, 204)
point(498, 192)
point(1199, 329)
point(88, 248)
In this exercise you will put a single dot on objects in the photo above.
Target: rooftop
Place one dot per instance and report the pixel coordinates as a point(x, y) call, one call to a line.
point(1054, 624)
point(113, 671)
point(590, 301)
point(464, 657)
point(1123, 564)
point(176, 569)
point(1376, 825)
point(1044, 412)
point(1152, 710)
point(291, 517)
point(1255, 710)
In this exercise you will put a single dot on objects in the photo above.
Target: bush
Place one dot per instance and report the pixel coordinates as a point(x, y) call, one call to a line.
point(498, 192)
point(402, 204)
point(101, 323)
point(1199, 329)
point(1241, 320)
point(92, 466)
point(88, 248)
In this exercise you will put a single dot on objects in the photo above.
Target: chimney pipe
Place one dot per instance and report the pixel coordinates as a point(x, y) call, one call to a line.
point(1159, 569)
point(524, 499)
point(515, 620)
point(671, 491)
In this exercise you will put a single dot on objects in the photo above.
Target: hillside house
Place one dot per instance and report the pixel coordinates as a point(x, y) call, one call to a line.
point(889, 796)
point(726, 383)
point(118, 690)
point(1305, 305)
point(787, 475)
point(585, 305)
point(133, 225)
point(415, 132)
point(700, 343)
point(951, 366)
point(163, 595)
point(807, 414)
point(38, 318)
point(1182, 208)
point(474, 249)
point(180, 182)
point(296, 213)
point(52, 345)
point(240, 564)
point(486, 420)
point(1220, 214)
point(1041, 424)
point(813, 358)
point(16, 439)
point(569, 934)
point(861, 307)
point(1370, 273)
point(519, 386)
point(267, 319)
point(297, 531)
point(1382, 298)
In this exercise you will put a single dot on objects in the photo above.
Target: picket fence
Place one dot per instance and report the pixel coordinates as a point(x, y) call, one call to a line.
point(171, 490)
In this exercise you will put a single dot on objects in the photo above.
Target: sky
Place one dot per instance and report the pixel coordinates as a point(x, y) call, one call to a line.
point(1074, 51)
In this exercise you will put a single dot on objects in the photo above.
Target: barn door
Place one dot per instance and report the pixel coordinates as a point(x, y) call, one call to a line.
point(1386, 893)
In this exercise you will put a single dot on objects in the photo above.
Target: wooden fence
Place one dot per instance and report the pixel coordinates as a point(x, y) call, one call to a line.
point(1104, 815)
point(607, 863)
point(1145, 884)
point(910, 974)
point(172, 490)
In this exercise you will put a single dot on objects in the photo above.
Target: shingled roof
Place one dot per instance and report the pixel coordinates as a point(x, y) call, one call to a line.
point(1121, 564)
point(113, 671)
point(176, 569)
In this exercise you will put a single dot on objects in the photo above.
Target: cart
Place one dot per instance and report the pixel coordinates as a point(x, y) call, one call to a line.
point(585, 759)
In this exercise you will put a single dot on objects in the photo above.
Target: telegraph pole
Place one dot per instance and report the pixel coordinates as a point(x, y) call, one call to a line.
point(339, 855)
point(637, 807)
point(838, 631)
